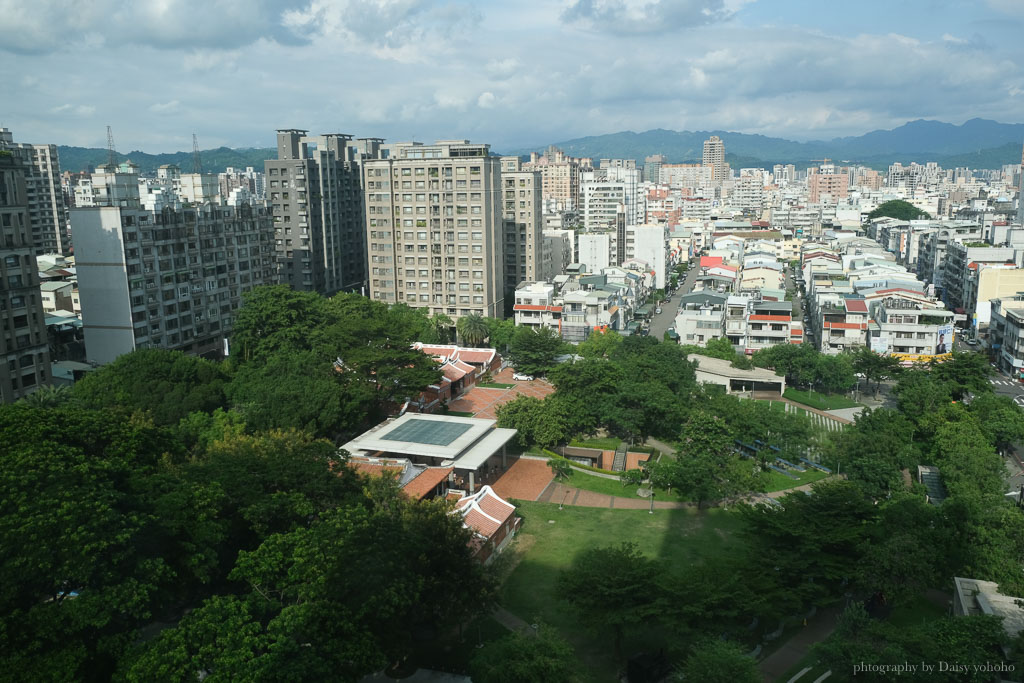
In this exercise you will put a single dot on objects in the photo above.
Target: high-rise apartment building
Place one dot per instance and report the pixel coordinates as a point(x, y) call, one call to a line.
point(435, 228)
point(831, 186)
point(714, 157)
point(522, 213)
point(164, 278)
point(24, 354)
point(314, 188)
point(1020, 193)
point(652, 168)
point(560, 178)
point(46, 207)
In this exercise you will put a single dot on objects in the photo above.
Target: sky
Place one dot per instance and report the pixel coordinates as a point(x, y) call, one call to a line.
point(517, 75)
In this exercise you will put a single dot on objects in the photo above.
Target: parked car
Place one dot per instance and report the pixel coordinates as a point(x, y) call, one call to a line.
point(522, 377)
point(657, 310)
point(972, 342)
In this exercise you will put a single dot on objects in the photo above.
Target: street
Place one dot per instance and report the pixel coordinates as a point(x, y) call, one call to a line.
point(660, 322)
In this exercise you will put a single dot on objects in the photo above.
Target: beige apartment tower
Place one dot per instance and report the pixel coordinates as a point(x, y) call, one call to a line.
point(47, 211)
point(434, 228)
point(714, 158)
point(522, 212)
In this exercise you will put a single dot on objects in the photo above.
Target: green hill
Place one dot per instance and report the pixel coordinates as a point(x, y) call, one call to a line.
point(214, 160)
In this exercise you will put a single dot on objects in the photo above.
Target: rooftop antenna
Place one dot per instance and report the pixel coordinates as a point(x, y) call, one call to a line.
point(197, 161)
point(111, 153)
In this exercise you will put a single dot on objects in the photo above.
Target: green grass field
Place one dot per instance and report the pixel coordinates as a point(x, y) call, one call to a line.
point(611, 487)
point(778, 482)
point(495, 385)
point(459, 413)
point(550, 538)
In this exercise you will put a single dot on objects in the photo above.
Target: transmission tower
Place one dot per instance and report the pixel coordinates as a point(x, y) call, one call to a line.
point(197, 161)
point(111, 153)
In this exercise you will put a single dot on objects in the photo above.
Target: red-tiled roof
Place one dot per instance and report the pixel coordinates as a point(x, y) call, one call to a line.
point(375, 469)
point(535, 307)
point(709, 261)
point(856, 305)
point(771, 318)
point(484, 512)
point(828, 325)
point(482, 356)
point(426, 482)
point(452, 372)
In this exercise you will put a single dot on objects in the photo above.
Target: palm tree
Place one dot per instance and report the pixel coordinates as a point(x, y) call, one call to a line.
point(472, 329)
point(49, 396)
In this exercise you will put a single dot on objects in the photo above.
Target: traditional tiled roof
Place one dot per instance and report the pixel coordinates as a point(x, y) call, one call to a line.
point(426, 482)
point(484, 512)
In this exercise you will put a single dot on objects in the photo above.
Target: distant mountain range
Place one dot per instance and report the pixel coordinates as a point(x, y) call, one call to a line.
point(977, 143)
point(214, 160)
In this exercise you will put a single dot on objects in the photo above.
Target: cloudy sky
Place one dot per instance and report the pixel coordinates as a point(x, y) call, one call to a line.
point(515, 74)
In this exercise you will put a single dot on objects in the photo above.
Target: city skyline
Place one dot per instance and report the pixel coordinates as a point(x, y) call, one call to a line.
point(496, 74)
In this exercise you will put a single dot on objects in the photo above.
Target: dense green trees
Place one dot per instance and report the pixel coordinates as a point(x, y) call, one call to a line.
point(533, 350)
point(168, 385)
point(898, 208)
point(472, 330)
point(543, 657)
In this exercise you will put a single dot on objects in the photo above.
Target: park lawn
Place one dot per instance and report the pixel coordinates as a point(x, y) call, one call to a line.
point(494, 385)
point(778, 482)
point(611, 487)
point(677, 536)
point(819, 401)
point(608, 443)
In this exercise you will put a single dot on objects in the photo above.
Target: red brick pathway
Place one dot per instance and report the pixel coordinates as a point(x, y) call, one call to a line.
point(526, 479)
point(483, 403)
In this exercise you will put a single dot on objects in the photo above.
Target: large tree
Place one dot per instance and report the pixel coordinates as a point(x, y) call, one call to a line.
point(86, 560)
point(276, 318)
point(706, 467)
point(167, 384)
point(541, 657)
point(719, 661)
point(534, 419)
point(334, 600)
point(533, 350)
point(898, 208)
point(612, 588)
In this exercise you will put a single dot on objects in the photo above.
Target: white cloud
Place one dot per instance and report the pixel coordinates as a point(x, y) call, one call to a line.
point(165, 107)
point(644, 16)
point(486, 100)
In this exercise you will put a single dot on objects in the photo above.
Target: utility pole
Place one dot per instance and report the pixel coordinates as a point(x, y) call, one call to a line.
point(197, 161)
point(111, 153)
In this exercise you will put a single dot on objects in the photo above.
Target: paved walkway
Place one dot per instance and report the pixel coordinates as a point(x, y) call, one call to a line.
point(526, 479)
point(509, 620)
point(483, 402)
point(819, 627)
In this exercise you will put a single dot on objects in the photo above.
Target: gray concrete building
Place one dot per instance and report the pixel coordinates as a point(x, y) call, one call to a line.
point(47, 211)
point(24, 354)
point(435, 228)
point(315, 192)
point(170, 279)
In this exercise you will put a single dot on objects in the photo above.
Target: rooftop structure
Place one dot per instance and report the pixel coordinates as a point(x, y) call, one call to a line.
point(471, 446)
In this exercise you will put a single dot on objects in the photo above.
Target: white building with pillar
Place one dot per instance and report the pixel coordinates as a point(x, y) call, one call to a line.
point(475, 449)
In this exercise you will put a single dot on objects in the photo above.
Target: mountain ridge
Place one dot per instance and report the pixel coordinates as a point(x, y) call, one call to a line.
point(978, 143)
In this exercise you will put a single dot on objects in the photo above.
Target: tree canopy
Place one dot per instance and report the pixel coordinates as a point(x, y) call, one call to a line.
point(898, 208)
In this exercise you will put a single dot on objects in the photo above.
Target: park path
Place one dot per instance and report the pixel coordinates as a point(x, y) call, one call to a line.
point(569, 495)
point(818, 628)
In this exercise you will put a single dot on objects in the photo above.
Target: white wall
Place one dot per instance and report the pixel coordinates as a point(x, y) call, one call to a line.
point(103, 283)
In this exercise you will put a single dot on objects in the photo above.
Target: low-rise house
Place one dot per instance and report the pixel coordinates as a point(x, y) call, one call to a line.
point(492, 519)
point(461, 368)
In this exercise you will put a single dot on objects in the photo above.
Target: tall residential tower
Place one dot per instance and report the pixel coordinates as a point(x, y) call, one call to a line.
point(47, 211)
point(24, 353)
point(314, 188)
point(435, 229)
